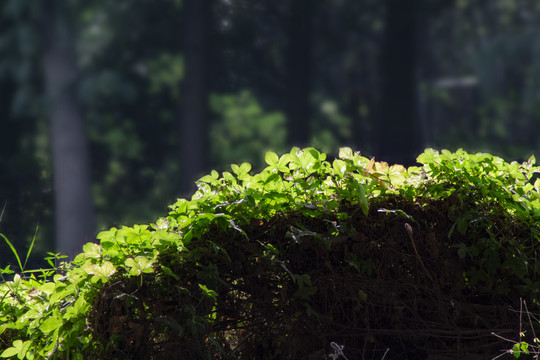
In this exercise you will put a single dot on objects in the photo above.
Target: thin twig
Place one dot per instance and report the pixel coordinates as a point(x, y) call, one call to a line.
point(530, 320)
point(503, 338)
point(338, 351)
point(410, 231)
point(520, 316)
point(534, 351)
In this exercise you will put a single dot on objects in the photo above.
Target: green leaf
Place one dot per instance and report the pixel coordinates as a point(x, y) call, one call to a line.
point(284, 160)
point(6, 270)
point(364, 204)
point(139, 265)
point(92, 250)
point(516, 350)
point(345, 153)
point(9, 352)
point(109, 235)
point(524, 347)
point(426, 157)
point(210, 179)
point(168, 271)
point(50, 325)
point(245, 168)
point(19, 348)
point(100, 272)
point(271, 159)
point(208, 292)
point(462, 250)
point(306, 161)
point(305, 288)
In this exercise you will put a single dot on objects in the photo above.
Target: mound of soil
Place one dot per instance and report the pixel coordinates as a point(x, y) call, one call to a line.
point(387, 285)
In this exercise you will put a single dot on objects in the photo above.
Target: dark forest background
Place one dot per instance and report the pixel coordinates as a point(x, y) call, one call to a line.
point(110, 110)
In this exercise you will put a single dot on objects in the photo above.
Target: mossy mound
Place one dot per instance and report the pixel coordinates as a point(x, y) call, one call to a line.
point(299, 260)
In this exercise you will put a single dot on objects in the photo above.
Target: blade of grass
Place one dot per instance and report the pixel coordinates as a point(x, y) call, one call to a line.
point(3, 297)
point(13, 250)
point(31, 246)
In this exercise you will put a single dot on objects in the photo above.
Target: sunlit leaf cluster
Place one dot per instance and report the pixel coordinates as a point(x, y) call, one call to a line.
point(44, 313)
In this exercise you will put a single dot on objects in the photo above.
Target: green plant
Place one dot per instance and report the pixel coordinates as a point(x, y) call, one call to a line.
point(16, 254)
point(245, 260)
point(486, 190)
point(527, 345)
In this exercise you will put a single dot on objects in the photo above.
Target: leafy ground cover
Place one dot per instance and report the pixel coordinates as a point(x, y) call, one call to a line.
point(369, 259)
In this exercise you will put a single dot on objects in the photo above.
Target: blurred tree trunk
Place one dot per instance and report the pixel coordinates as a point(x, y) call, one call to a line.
point(398, 134)
point(10, 140)
point(10, 147)
point(70, 152)
point(298, 81)
point(11, 165)
point(194, 114)
point(360, 99)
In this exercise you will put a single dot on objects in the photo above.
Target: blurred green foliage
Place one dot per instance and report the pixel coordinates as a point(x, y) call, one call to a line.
point(131, 57)
point(242, 129)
